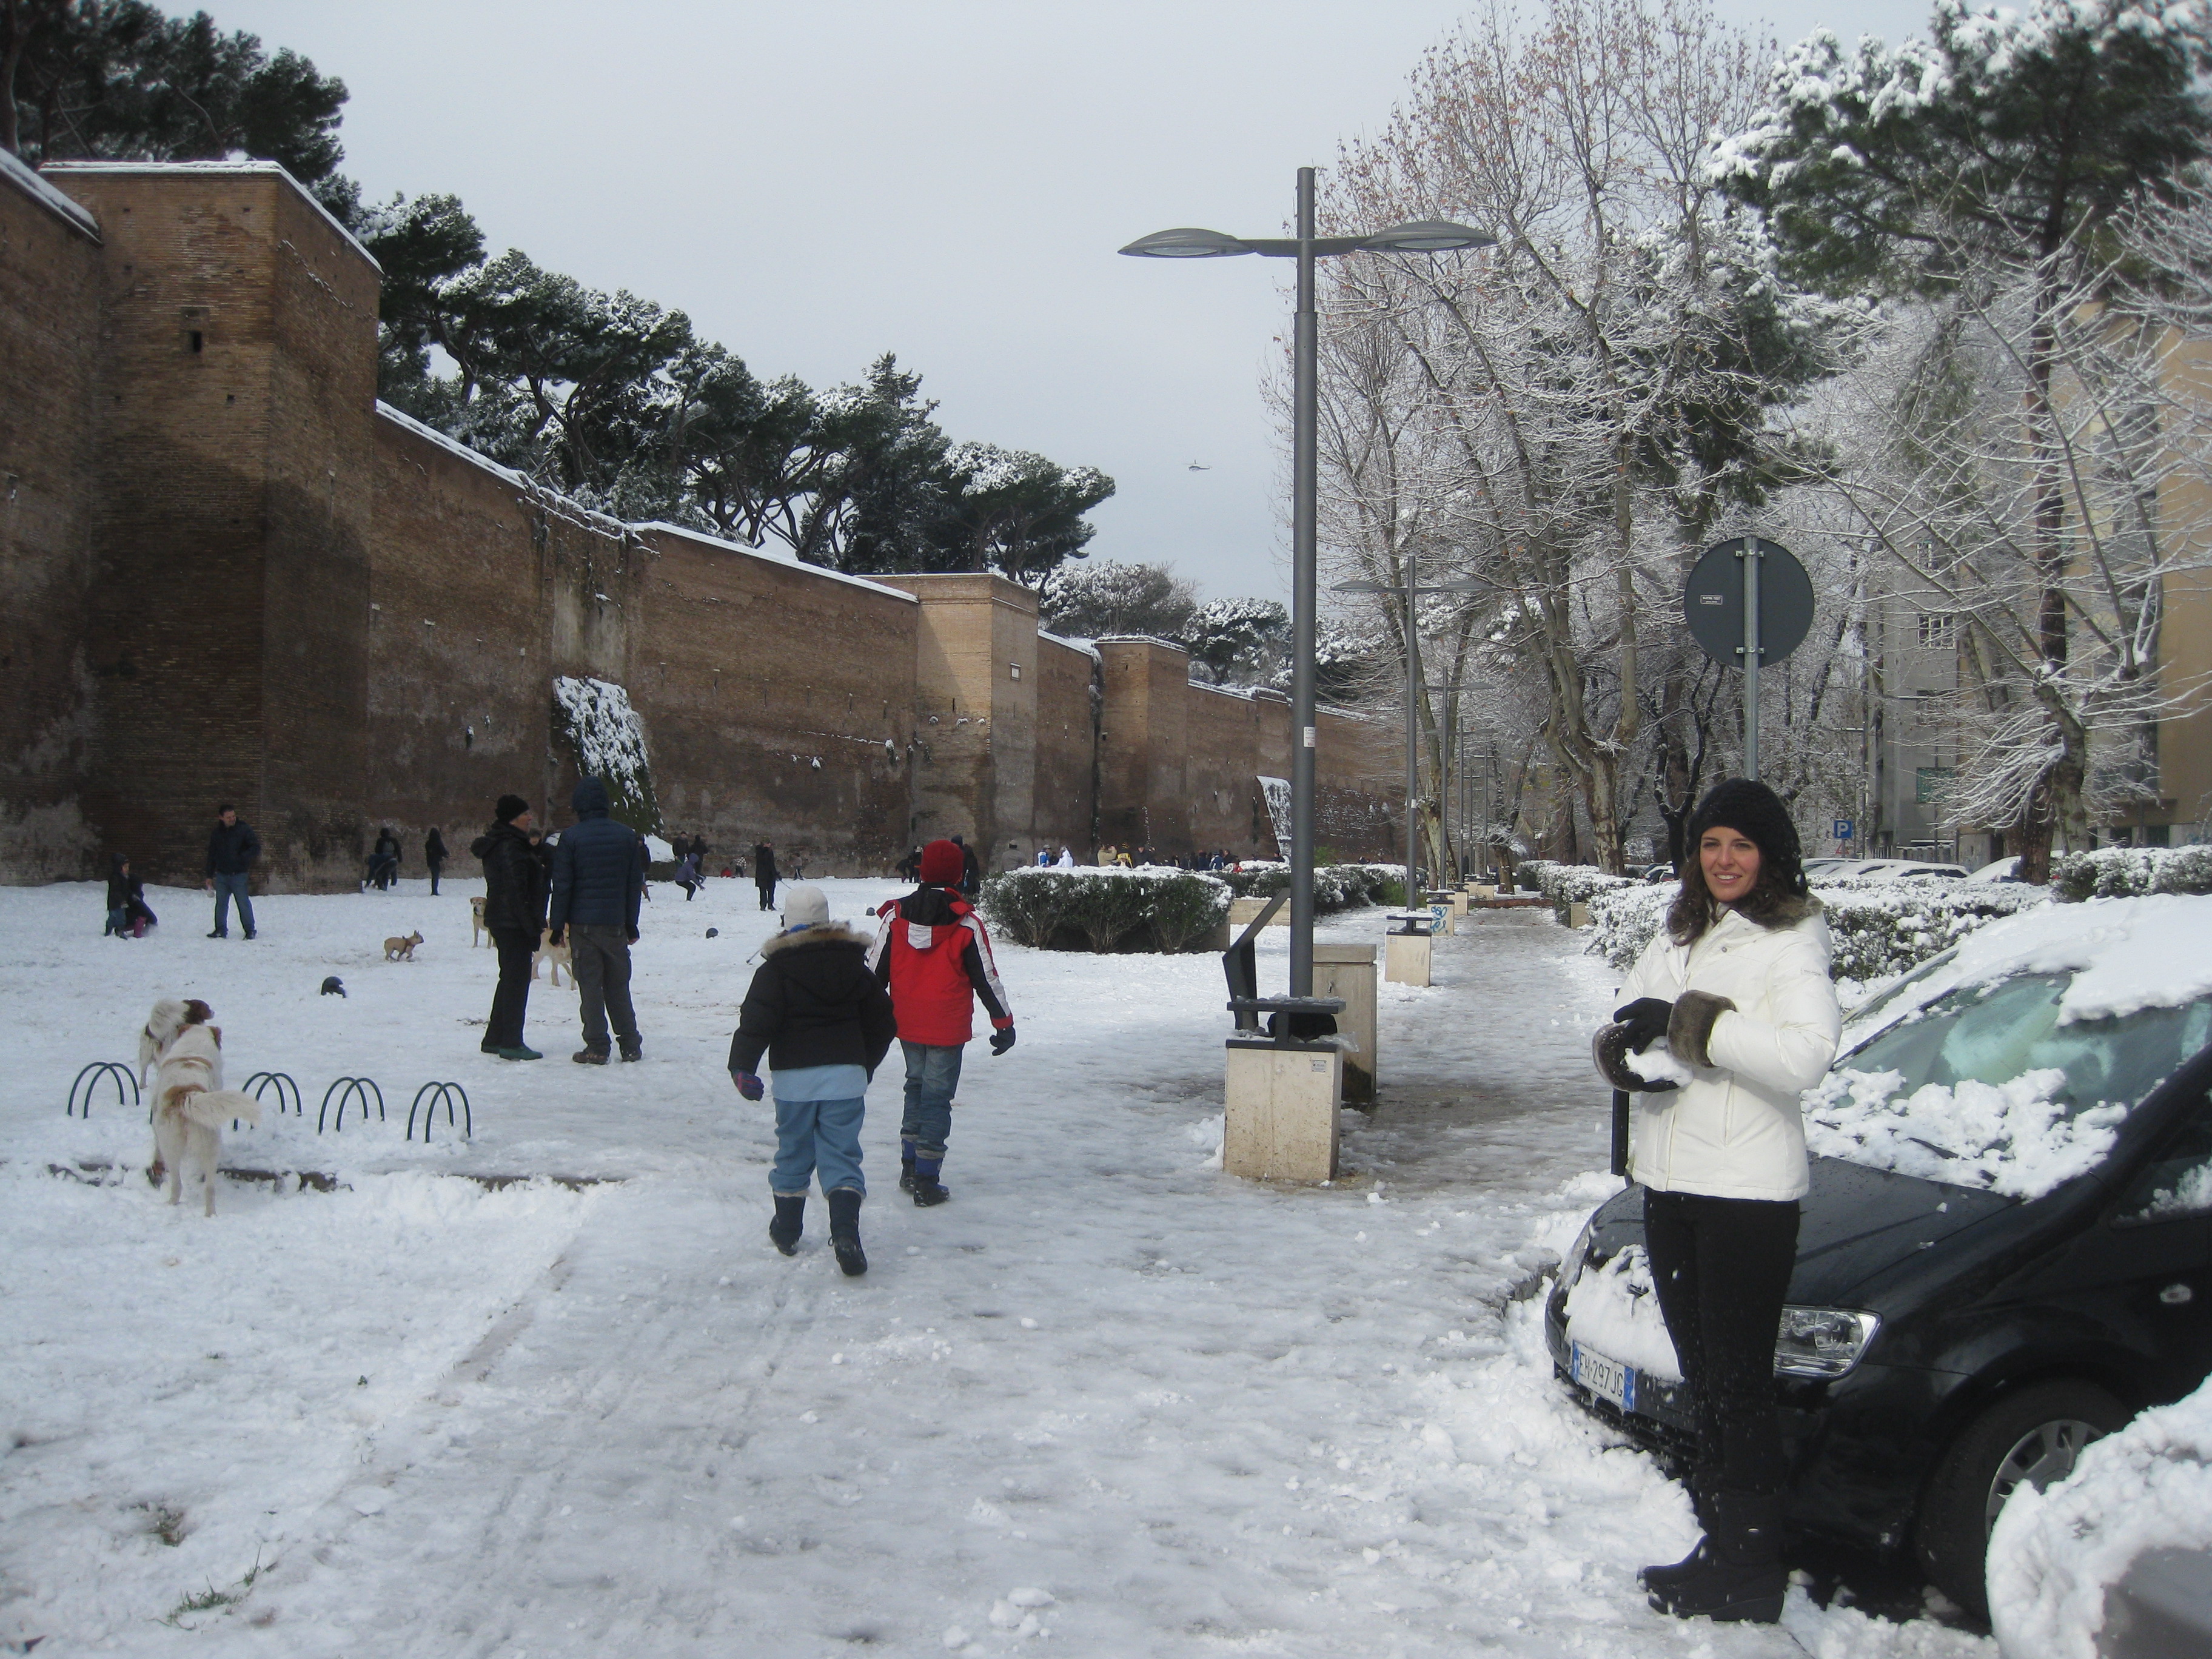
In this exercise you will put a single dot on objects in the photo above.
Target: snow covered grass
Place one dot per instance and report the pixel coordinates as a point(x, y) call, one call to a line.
point(1198, 1414)
point(2054, 1554)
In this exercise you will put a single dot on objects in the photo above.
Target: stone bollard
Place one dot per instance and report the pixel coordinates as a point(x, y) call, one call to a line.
point(1406, 958)
point(1243, 912)
point(1578, 914)
point(1279, 1122)
point(1347, 971)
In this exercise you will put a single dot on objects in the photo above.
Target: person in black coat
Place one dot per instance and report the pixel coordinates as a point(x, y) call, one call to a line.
point(231, 848)
point(599, 881)
point(127, 914)
point(816, 1010)
point(433, 854)
point(515, 914)
point(384, 860)
point(971, 867)
point(764, 874)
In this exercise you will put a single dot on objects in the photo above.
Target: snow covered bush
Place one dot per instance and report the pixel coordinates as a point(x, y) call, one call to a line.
point(594, 721)
point(2132, 871)
point(1336, 886)
point(2054, 1554)
point(1568, 884)
point(1106, 909)
point(1879, 929)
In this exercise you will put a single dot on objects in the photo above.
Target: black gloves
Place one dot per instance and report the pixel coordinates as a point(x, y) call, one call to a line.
point(1646, 1019)
point(1002, 1040)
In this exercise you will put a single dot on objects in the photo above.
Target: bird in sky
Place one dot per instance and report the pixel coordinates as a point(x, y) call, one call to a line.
point(1195, 467)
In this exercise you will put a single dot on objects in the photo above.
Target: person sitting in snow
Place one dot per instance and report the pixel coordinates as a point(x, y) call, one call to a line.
point(826, 1023)
point(933, 955)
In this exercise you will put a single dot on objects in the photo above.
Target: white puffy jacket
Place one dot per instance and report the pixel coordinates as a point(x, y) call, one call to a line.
point(1736, 1130)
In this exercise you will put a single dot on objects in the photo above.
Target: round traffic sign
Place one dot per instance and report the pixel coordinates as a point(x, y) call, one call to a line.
point(1712, 601)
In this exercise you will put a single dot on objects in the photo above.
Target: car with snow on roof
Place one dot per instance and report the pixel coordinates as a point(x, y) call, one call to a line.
point(2007, 1248)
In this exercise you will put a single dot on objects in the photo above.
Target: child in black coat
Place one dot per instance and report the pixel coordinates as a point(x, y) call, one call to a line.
point(816, 1011)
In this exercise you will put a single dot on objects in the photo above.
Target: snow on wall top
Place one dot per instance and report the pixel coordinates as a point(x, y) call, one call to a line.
point(1085, 647)
point(226, 167)
point(25, 178)
point(788, 560)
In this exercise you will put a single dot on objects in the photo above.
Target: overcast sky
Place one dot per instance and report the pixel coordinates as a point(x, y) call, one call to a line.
point(818, 183)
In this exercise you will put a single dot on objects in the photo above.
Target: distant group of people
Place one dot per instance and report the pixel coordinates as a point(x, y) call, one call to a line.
point(1129, 858)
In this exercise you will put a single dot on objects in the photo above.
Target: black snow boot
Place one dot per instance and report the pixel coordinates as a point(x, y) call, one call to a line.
point(790, 1221)
point(845, 1231)
point(1741, 1577)
point(906, 1166)
point(926, 1188)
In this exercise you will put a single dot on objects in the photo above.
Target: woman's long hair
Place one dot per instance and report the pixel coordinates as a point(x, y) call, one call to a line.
point(1775, 899)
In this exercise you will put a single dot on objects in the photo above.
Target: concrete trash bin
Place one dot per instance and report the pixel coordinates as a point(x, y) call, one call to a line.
point(1406, 957)
point(1347, 972)
point(1243, 912)
point(1280, 1098)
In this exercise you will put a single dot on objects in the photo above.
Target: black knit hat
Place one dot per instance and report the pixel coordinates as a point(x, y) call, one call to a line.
point(1755, 811)
point(510, 808)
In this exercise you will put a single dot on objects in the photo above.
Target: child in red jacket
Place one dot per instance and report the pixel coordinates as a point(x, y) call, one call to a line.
point(934, 956)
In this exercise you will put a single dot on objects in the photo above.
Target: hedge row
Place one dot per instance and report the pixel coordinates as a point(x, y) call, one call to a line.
point(1878, 929)
point(2132, 871)
point(1106, 909)
point(1568, 884)
point(1336, 886)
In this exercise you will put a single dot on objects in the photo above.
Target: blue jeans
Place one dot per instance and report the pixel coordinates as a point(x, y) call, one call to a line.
point(817, 1134)
point(933, 1073)
point(228, 888)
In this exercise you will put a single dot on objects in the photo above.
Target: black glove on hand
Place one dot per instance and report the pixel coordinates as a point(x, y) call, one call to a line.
point(749, 1085)
point(1646, 1019)
point(1002, 1040)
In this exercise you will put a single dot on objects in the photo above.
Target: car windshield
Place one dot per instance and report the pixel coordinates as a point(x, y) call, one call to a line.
point(1986, 1087)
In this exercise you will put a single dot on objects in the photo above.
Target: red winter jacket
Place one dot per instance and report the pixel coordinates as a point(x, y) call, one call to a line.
point(934, 956)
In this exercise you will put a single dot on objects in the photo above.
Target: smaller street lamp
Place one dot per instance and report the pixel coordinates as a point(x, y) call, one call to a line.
point(1412, 590)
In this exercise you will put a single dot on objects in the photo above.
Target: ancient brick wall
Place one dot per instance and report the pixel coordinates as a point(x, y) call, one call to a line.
point(50, 294)
point(779, 701)
point(1360, 788)
point(1066, 747)
point(1227, 734)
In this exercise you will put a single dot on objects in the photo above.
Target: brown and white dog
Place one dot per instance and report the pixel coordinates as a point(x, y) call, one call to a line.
point(190, 1103)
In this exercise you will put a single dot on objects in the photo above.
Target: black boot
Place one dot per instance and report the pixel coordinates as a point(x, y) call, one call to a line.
point(906, 1166)
point(925, 1186)
point(1741, 1578)
point(790, 1221)
point(845, 1231)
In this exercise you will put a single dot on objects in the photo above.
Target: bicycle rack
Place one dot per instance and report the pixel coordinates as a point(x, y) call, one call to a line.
point(346, 1090)
point(114, 1071)
point(438, 1093)
point(288, 1092)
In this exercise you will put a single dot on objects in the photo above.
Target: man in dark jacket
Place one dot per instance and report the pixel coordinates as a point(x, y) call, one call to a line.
point(433, 854)
point(824, 1022)
point(971, 867)
point(231, 848)
point(764, 874)
point(599, 881)
point(515, 911)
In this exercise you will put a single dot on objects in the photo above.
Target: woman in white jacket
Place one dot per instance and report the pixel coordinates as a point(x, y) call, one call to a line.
point(1737, 983)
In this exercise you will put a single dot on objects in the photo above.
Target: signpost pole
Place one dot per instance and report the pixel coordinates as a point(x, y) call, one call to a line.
point(1750, 555)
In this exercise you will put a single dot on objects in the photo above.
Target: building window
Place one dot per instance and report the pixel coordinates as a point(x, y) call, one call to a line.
point(1016, 668)
point(1938, 632)
point(1929, 783)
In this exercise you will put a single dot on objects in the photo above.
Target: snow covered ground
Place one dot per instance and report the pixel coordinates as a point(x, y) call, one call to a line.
point(1107, 1401)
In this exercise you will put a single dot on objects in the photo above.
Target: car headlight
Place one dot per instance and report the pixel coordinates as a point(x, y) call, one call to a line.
point(1822, 1341)
point(1570, 1270)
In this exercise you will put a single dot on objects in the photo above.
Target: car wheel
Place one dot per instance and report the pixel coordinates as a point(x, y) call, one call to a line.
point(2032, 1436)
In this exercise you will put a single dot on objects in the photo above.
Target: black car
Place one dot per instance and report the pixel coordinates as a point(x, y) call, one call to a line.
point(1942, 1341)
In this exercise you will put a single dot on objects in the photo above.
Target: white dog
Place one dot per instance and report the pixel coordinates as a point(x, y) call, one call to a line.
point(190, 1103)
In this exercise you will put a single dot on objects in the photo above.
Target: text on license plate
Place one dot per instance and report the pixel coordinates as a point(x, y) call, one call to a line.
point(1603, 1375)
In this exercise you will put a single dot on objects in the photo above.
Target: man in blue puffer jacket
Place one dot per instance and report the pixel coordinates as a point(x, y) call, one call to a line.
point(599, 879)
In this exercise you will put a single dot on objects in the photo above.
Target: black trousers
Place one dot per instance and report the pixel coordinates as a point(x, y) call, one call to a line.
point(515, 945)
point(1722, 1267)
point(436, 867)
point(767, 890)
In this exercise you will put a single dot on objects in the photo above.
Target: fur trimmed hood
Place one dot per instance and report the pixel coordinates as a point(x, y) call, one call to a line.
point(823, 932)
point(1780, 909)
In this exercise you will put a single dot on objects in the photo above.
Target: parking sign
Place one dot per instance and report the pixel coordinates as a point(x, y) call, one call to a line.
point(1843, 827)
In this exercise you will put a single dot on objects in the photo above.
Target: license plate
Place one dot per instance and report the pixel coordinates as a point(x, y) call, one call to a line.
point(1603, 1375)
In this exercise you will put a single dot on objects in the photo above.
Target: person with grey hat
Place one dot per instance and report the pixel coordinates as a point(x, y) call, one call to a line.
point(816, 1010)
point(1736, 984)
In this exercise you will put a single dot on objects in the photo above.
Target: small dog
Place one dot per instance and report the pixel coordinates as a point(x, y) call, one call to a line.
point(476, 928)
point(190, 1103)
point(557, 958)
point(402, 949)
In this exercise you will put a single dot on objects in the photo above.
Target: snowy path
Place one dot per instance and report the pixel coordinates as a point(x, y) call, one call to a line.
point(1199, 1415)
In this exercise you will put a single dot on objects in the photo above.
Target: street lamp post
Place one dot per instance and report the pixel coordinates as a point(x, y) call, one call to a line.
point(1420, 236)
point(1415, 692)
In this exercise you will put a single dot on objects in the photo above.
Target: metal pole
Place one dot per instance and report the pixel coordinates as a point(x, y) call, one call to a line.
point(1412, 730)
point(1304, 494)
point(1750, 555)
